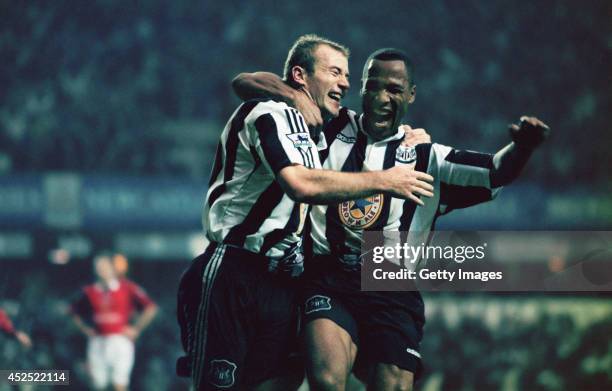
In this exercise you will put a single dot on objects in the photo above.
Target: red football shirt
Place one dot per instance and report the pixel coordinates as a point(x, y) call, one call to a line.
point(5, 323)
point(110, 309)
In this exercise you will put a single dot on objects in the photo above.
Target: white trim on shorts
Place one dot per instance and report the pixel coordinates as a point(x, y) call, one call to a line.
point(208, 278)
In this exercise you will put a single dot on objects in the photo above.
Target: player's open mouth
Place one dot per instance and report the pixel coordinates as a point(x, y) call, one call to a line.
point(335, 96)
point(382, 117)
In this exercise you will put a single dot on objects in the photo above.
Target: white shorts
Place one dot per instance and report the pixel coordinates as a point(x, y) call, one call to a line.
point(110, 358)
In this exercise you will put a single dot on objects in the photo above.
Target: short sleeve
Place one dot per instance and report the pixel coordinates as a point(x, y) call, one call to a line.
point(80, 305)
point(280, 137)
point(139, 295)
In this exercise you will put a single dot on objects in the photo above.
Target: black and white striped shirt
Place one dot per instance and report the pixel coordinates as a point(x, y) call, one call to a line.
point(461, 179)
point(245, 205)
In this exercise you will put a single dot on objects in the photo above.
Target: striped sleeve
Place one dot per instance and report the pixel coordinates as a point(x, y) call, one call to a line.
point(464, 177)
point(281, 138)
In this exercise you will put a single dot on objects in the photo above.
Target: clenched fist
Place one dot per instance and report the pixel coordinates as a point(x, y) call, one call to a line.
point(529, 133)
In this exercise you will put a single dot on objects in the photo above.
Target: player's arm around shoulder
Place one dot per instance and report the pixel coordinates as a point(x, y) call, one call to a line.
point(325, 186)
point(261, 85)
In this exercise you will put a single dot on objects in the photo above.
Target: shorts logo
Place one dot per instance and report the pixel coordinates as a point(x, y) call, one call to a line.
point(300, 140)
point(317, 303)
point(405, 155)
point(222, 373)
point(413, 352)
point(346, 139)
point(361, 213)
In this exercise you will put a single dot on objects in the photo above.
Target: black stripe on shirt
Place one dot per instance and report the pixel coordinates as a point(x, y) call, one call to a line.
point(294, 129)
point(277, 235)
point(354, 161)
point(297, 123)
point(423, 151)
point(456, 197)
point(260, 211)
point(388, 162)
point(334, 229)
point(256, 159)
point(231, 147)
point(272, 147)
point(304, 129)
point(217, 166)
point(470, 158)
point(331, 130)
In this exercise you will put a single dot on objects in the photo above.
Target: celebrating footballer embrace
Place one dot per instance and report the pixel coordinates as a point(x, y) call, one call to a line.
point(292, 143)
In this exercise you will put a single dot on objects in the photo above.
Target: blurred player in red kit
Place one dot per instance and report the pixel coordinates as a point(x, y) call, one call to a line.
point(6, 326)
point(103, 312)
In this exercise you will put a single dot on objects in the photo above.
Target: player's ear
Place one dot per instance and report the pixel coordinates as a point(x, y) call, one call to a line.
point(412, 94)
point(299, 75)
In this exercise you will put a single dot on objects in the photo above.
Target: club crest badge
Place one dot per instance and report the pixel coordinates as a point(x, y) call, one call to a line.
point(317, 303)
point(222, 373)
point(361, 213)
point(405, 155)
point(300, 140)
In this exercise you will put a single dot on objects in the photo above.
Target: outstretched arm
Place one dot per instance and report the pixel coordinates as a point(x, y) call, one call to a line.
point(509, 161)
point(259, 85)
point(325, 187)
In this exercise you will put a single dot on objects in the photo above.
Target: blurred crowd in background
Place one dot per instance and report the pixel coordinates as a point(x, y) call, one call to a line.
point(106, 86)
point(139, 93)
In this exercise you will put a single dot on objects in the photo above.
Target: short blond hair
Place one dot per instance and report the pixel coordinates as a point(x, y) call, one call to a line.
point(302, 54)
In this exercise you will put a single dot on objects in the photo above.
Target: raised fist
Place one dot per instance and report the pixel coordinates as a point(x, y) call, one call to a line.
point(530, 132)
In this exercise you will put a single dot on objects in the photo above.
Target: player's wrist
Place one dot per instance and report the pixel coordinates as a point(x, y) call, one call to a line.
point(525, 146)
point(381, 182)
point(528, 141)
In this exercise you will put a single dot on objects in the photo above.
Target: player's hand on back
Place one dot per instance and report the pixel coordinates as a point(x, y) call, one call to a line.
point(409, 183)
point(529, 133)
point(414, 137)
point(309, 109)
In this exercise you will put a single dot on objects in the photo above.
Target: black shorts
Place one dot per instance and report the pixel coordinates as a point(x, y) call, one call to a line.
point(387, 327)
point(238, 321)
